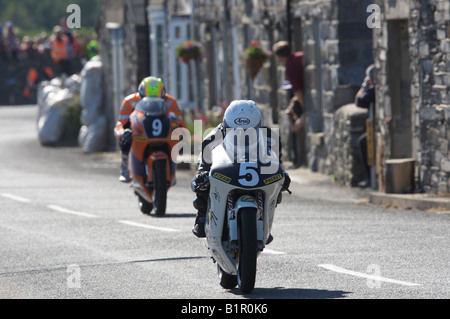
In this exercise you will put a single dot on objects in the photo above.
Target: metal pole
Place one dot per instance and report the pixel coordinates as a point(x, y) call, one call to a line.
point(116, 36)
point(288, 22)
point(373, 183)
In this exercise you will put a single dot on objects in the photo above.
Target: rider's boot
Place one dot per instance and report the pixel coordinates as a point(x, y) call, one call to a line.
point(200, 219)
point(199, 226)
point(124, 172)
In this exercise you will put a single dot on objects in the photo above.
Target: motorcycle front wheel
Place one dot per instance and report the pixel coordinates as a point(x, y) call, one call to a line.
point(144, 206)
point(246, 264)
point(227, 281)
point(160, 182)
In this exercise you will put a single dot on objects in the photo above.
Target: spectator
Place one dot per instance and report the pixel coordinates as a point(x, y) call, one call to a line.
point(293, 63)
point(77, 47)
point(294, 113)
point(28, 48)
point(11, 41)
point(59, 44)
point(66, 31)
point(43, 43)
point(2, 44)
point(365, 98)
point(92, 48)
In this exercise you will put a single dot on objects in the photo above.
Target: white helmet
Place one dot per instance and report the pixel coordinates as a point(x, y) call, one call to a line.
point(242, 114)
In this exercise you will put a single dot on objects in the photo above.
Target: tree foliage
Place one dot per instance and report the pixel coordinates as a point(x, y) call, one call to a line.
point(32, 15)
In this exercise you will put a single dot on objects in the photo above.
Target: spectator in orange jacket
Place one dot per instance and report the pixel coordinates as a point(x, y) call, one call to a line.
point(149, 87)
point(59, 51)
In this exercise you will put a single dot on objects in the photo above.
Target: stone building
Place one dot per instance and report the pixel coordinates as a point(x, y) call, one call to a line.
point(407, 40)
point(412, 58)
point(124, 48)
point(333, 35)
point(337, 46)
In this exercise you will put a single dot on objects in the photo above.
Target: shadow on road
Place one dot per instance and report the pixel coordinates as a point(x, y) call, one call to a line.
point(292, 293)
point(169, 215)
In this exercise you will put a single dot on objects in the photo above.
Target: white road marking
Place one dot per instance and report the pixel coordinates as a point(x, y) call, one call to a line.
point(127, 222)
point(16, 198)
point(363, 275)
point(273, 252)
point(68, 211)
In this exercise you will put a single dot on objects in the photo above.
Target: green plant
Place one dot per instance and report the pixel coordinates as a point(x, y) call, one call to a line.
point(254, 51)
point(72, 124)
point(255, 57)
point(189, 50)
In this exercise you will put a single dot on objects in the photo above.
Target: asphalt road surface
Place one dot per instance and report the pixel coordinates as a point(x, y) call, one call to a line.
point(70, 229)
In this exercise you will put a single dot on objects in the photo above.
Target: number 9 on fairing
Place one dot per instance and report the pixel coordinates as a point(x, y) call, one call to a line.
point(157, 127)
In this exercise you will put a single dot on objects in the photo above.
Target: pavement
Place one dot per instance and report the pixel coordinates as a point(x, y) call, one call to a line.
point(419, 201)
point(320, 184)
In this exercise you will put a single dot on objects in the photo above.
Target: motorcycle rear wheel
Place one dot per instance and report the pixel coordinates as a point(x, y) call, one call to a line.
point(248, 250)
point(160, 182)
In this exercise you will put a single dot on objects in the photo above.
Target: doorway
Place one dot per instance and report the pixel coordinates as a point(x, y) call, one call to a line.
point(182, 75)
point(399, 81)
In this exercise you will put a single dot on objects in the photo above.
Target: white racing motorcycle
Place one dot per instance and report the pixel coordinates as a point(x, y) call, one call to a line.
point(244, 189)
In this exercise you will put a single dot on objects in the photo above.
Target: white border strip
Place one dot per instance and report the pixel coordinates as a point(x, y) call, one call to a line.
point(363, 275)
point(127, 222)
point(16, 198)
point(68, 211)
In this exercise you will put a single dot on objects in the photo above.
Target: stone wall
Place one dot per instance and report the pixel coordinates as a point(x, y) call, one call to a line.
point(429, 54)
point(127, 14)
point(349, 124)
point(337, 49)
point(337, 46)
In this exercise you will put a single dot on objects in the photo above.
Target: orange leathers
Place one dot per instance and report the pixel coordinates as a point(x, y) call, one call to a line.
point(129, 104)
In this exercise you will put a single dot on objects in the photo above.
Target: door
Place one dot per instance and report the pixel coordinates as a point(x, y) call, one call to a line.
point(158, 39)
point(399, 86)
point(182, 76)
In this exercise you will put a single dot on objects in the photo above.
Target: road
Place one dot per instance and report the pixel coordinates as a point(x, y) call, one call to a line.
point(70, 229)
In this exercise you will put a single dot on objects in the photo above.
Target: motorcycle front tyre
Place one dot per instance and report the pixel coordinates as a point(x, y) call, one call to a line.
point(144, 206)
point(246, 265)
point(160, 182)
point(226, 280)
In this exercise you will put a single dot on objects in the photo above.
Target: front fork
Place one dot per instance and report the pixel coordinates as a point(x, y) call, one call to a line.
point(232, 214)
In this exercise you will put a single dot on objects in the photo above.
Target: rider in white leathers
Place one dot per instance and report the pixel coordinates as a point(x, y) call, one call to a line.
point(243, 114)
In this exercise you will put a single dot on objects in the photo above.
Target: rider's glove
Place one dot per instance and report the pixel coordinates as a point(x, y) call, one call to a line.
point(174, 118)
point(200, 182)
point(286, 183)
point(126, 139)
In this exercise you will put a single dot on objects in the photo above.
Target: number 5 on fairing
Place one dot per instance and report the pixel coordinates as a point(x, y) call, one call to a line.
point(249, 174)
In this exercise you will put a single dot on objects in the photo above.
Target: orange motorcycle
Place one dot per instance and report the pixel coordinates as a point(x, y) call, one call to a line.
point(151, 166)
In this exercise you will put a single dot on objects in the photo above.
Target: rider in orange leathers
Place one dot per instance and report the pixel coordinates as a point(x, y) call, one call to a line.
point(149, 87)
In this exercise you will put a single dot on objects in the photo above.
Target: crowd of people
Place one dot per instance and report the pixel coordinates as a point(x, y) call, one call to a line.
point(48, 55)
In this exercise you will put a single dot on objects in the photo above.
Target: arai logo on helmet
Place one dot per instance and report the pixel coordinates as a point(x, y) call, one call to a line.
point(241, 121)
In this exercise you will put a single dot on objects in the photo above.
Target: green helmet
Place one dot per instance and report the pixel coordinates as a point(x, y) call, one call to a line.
point(92, 48)
point(151, 86)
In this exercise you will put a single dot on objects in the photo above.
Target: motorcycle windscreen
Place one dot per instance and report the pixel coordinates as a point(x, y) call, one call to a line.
point(251, 145)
